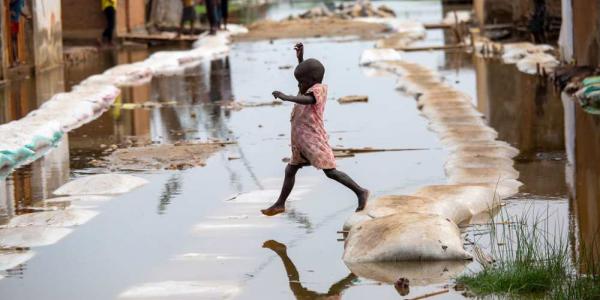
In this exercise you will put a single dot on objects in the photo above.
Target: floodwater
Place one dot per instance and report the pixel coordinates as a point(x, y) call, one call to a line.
point(186, 230)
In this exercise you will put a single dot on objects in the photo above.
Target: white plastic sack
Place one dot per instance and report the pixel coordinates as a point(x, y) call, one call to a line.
point(476, 198)
point(101, 184)
point(56, 218)
point(34, 236)
point(405, 237)
point(370, 56)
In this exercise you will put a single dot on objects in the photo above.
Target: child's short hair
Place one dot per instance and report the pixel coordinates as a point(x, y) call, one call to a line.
point(312, 69)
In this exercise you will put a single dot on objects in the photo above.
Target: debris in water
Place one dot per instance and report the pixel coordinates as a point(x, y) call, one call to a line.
point(353, 99)
point(179, 156)
point(101, 184)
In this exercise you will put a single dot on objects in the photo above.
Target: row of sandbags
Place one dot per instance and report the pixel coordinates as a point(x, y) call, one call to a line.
point(55, 218)
point(529, 58)
point(355, 10)
point(480, 172)
point(34, 134)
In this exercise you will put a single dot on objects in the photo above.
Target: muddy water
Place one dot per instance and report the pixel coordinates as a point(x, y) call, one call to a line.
point(143, 237)
point(181, 228)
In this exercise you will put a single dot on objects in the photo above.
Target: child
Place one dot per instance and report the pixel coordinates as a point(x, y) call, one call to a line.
point(309, 139)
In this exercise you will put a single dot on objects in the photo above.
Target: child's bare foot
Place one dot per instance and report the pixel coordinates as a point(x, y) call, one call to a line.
point(275, 209)
point(362, 200)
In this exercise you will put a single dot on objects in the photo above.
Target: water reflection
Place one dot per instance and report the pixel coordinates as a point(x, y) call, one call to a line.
point(527, 113)
point(300, 292)
point(171, 189)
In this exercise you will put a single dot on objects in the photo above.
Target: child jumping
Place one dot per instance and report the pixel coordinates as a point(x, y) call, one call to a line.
point(309, 139)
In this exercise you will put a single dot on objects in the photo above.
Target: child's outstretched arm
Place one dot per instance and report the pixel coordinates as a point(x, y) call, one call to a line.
point(300, 99)
point(299, 52)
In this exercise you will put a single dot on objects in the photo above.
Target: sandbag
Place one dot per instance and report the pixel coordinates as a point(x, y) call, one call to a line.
point(101, 184)
point(393, 204)
point(12, 259)
point(457, 161)
point(405, 237)
point(475, 197)
point(370, 56)
point(56, 218)
point(356, 218)
point(34, 236)
point(481, 175)
point(494, 149)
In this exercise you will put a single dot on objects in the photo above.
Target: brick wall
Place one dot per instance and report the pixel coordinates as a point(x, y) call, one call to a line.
point(84, 19)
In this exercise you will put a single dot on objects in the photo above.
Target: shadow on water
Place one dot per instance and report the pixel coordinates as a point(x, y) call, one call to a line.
point(297, 287)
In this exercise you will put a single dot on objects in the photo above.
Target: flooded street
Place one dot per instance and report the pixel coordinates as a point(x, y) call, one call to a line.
point(199, 234)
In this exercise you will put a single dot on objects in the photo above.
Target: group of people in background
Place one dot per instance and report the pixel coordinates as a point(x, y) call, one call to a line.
point(217, 13)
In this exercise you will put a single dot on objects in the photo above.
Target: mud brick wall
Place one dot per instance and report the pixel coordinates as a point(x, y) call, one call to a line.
point(509, 11)
point(586, 29)
point(84, 19)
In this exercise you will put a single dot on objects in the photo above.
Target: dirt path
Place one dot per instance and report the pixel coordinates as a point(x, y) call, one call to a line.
point(168, 156)
point(305, 28)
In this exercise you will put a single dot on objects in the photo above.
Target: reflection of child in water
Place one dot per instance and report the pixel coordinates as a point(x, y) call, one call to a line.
point(309, 139)
point(335, 291)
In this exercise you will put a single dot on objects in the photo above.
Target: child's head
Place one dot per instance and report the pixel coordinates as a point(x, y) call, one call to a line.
point(308, 73)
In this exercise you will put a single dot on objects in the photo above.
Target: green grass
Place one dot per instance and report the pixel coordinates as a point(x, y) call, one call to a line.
point(528, 260)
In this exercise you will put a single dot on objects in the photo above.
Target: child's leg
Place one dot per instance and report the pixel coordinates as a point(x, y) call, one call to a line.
point(286, 189)
point(343, 178)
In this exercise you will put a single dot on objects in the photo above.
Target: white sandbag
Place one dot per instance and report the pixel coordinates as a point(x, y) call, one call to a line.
point(458, 120)
point(57, 218)
point(418, 273)
point(370, 56)
point(411, 29)
point(34, 236)
point(459, 110)
point(12, 259)
point(356, 218)
point(182, 289)
point(101, 184)
point(393, 204)
point(78, 198)
point(405, 236)
point(130, 74)
point(537, 62)
point(476, 198)
point(457, 17)
point(472, 137)
point(441, 129)
point(481, 175)
point(495, 149)
point(458, 161)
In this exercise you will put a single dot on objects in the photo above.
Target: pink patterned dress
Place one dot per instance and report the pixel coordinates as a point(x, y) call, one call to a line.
point(309, 139)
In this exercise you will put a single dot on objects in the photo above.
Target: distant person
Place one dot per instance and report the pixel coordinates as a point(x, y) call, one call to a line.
point(211, 14)
point(188, 14)
point(224, 13)
point(538, 23)
point(310, 146)
point(109, 7)
point(16, 11)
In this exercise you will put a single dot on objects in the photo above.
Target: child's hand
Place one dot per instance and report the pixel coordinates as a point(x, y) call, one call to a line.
point(299, 52)
point(278, 95)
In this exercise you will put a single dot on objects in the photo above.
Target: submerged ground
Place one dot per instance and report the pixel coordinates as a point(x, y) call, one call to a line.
point(187, 230)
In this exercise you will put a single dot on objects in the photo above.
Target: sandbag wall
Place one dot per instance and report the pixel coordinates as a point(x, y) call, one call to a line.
point(28, 138)
point(479, 170)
